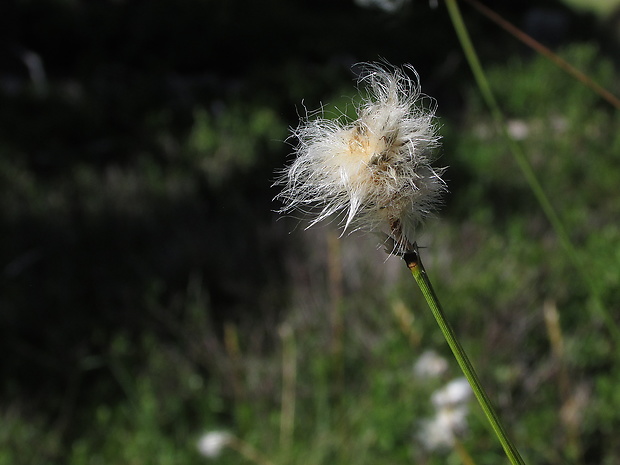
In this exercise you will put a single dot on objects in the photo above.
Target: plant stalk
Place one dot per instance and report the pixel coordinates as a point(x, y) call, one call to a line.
point(412, 258)
point(597, 306)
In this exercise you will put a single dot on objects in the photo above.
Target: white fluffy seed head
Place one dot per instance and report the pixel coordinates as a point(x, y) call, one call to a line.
point(375, 172)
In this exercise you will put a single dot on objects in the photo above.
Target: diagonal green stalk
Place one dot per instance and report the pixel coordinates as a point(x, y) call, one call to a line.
point(556, 223)
point(540, 48)
point(412, 258)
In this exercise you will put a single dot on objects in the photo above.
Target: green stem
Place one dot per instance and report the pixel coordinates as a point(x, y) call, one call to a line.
point(412, 258)
point(556, 223)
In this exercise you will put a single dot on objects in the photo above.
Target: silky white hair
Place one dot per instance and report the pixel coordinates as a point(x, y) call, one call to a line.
point(374, 172)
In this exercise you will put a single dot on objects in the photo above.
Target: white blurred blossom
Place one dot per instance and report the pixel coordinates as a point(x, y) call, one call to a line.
point(450, 419)
point(212, 443)
point(518, 129)
point(457, 391)
point(430, 365)
point(441, 430)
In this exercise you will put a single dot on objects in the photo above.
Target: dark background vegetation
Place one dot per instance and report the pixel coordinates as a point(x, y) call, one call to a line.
point(135, 171)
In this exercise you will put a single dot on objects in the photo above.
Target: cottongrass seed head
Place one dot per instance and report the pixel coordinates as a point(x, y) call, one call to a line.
point(374, 172)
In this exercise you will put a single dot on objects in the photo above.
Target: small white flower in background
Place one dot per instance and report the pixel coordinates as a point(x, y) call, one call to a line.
point(212, 443)
point(374, 172)
point(457, 391)
point(430, 365)
point(518, 129)
point(450, 418)
point(441, 430)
